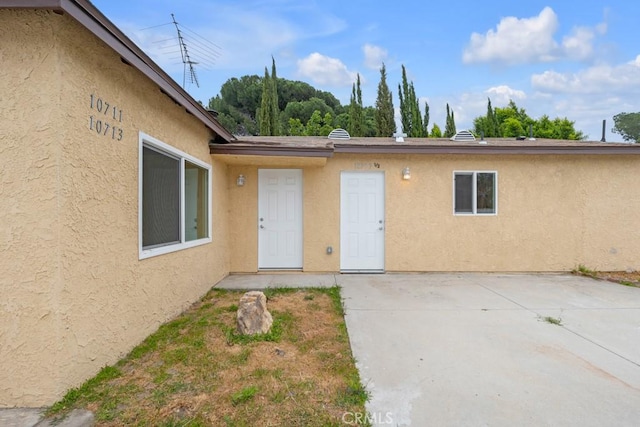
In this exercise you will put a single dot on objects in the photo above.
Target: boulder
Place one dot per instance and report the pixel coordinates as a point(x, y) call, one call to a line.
point(253, 316)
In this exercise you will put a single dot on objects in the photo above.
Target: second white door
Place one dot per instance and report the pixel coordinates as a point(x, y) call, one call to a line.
point(362, 222)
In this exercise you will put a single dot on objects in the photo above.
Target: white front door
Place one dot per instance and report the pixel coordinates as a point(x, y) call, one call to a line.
point(279, 219)
point(362, 221)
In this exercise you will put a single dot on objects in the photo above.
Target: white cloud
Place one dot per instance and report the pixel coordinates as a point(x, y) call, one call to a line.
point(531, 40)
point(601, 79)
point(579, 45)
point(503, 94)
point(325, 70)
point(516, 40)
point(374, 56)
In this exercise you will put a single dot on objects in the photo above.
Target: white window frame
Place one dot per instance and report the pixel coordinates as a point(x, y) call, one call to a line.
point(474, 196)
point(149, 141)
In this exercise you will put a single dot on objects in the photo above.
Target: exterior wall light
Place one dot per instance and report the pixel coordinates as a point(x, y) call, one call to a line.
point(240, 181)
point(406, 174)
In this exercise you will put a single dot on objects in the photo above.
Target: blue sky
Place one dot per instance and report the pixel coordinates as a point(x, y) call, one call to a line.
point(560, 58)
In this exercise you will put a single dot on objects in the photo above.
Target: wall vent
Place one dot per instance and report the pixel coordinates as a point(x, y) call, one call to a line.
point(463, 135)
point(339, 134)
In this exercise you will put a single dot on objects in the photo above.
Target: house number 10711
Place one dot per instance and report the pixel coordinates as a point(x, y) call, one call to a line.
point(106, 119)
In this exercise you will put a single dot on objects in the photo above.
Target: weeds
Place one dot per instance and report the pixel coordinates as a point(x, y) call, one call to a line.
point(553, 320)
point(243, 395)
point(584, 271)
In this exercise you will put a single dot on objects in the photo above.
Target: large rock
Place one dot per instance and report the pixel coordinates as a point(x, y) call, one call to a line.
point(253, 316)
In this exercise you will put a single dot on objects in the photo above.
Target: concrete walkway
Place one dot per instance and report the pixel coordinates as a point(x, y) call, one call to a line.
point(485, 349)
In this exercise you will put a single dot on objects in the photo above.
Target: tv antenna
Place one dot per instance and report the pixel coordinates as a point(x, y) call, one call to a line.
point(186, 59)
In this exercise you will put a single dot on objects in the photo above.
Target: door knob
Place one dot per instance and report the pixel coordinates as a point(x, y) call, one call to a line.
point(261, 226)
point(380, 228)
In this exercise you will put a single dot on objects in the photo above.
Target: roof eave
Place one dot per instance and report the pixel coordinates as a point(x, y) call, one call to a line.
point(245, 150)
point(485, 149)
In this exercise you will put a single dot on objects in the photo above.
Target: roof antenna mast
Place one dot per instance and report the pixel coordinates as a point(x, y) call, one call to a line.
point(186, 60)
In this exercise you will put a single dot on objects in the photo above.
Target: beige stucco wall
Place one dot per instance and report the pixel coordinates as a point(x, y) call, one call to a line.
point(75, 296)
point(554, 213)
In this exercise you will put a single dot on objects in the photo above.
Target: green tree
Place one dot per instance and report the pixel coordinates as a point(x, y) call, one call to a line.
point(327, 125)
point(265, 106)
point(314, 124)
point(564, 129)
point(385, 123)
point(511, 127)
point(487, 125)
point(356, 117)
point(417, 129)
point(425, 121)
point(405, 104)
point(450, 125)
point(435, 131)
point(512, 121)
point(627, 125)
point(410, 115)
point(369, 114)
point(342, 121)
point(274, 109)
point(296, 128)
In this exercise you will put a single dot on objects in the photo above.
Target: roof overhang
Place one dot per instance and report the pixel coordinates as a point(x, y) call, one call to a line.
point(93, 20)
point(271, 150)
point(480, 149)
point(270, 161)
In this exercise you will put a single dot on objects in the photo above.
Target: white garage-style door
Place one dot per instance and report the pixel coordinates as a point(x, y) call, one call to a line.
point(362, 222)
point(280, 219)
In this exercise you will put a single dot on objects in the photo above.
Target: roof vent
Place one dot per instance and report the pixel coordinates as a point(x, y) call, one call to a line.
point(399, 136)
point(339, 134)
point(463, 135)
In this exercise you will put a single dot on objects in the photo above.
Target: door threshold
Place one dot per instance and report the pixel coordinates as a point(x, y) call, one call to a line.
point(362, 272)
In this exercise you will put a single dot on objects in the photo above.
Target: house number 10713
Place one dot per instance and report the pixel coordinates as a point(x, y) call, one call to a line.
point(106, 119)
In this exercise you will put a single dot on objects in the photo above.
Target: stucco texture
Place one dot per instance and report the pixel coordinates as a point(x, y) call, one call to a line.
point(554, 213)
point(75, 295)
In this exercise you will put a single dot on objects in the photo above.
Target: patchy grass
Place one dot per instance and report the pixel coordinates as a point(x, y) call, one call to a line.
point(553, 320)
point(197, 370)
point(584, 271)
point(626, 278)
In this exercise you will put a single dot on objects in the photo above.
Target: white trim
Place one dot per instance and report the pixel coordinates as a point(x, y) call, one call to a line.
point(474, 198)
point(149, 141)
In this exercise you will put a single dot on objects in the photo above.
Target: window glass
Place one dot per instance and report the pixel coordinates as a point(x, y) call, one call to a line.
point(196, 218)
point(464, 193)
point(485, 193)
point(174, 199)
point(475, 193)
point(160, 199)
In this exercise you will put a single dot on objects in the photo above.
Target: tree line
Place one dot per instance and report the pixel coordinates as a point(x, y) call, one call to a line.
point(269, 105)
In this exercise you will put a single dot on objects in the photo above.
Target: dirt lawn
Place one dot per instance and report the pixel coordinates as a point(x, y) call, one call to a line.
point(198, 371)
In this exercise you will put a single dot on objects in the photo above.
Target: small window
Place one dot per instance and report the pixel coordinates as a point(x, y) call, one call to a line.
point(175, 199)
point(475, 193)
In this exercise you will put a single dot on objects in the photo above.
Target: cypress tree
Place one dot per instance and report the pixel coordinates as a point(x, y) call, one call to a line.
point(265, 105)
point(425, 121)
point(416, 118)
point(405, 103)
point(275, 109)
point(385, 121)
point(356, 116)
point(450, 125)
